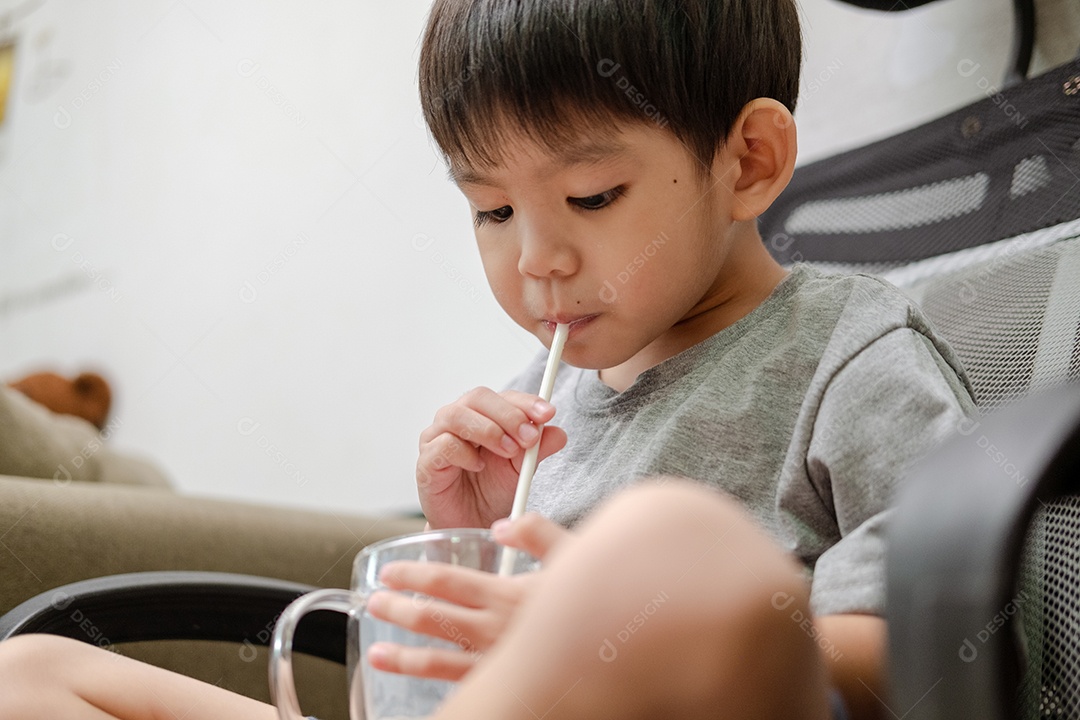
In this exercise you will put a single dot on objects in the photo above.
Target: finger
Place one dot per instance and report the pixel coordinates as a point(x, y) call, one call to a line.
point(501, 423)
point(434, 663)
point(531, 532)
point(459, 585)
point(446, 452)
point(495, 425)
point(426, 616)
point(539, 410)
point(553, 440)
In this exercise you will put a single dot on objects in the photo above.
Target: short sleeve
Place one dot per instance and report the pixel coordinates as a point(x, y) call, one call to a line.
point(889, 405)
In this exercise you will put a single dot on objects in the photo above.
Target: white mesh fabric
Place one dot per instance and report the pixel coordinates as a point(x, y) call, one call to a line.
point(1029, 175)
point(1011, 310)
point(994, 314)
point(911, 276)
point(908, 208)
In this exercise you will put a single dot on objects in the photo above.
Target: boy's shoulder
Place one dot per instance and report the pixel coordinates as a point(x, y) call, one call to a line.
point(849, 314)
point(851, 306)
point(858, 291)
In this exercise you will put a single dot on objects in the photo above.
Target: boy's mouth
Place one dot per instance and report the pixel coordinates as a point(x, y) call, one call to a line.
point(576, 322)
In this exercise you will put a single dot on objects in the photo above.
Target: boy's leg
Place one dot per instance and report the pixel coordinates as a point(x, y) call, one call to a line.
point(662, 606)
point(45, 676)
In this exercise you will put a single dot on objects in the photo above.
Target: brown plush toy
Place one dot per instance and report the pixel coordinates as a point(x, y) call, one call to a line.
point(87, 396)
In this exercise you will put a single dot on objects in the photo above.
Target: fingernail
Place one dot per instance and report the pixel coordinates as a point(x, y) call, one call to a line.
point(542, 407)
point(528, 432)
point(508, 444)
point(500, 528)
point(378, 653)
point(375, 603)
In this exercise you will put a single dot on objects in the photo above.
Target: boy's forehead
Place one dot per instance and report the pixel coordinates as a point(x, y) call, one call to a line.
point(580, 151)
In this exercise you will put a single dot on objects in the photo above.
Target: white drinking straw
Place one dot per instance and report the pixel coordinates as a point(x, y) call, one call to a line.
point(528, 465)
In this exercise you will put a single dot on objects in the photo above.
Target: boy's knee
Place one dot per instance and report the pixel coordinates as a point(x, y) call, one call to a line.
point(769, 657)
point(686, 515)
point(719, 589)
point(697, 544)
point(667, 498)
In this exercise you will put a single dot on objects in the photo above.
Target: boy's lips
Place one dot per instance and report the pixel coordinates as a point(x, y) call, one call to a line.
point(576, 322)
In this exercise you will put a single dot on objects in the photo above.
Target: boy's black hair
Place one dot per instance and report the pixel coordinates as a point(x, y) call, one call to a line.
point(549, 67)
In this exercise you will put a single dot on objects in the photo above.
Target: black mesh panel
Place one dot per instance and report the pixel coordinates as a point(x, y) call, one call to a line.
point(1061, 611)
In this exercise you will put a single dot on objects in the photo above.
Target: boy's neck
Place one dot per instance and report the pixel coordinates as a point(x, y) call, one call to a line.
point(750, 274)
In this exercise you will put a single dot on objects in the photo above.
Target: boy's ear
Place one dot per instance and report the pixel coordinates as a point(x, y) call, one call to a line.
point(760, 156)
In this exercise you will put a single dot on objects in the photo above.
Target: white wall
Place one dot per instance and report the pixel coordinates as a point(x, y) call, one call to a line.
point(233, 211)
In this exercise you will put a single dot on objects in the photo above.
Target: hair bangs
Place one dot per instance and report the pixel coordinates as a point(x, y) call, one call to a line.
point(553, 70)
point(490, 67)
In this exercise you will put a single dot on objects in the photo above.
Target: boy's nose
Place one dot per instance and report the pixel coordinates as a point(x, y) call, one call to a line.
point(546, 252)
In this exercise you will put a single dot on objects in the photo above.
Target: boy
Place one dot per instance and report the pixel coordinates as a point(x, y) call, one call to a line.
point(616, 154)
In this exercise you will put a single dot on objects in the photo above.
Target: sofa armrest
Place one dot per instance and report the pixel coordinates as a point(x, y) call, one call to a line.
point(53, 534)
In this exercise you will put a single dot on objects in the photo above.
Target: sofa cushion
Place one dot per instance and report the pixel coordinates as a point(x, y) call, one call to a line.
point(38, 443)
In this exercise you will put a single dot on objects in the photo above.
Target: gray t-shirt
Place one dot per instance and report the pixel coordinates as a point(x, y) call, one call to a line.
point(808, 410)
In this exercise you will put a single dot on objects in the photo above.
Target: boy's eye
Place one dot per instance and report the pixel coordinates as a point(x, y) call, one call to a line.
point(592, 202)
point(595, 202)
point(498, 215)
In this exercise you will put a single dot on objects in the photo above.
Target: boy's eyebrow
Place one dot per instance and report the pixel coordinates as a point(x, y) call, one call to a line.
point(586, 152)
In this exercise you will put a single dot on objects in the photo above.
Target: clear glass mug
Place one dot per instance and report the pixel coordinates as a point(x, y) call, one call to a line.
point(373, 694)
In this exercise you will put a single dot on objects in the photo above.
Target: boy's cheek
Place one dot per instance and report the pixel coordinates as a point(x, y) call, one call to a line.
point(513, 306)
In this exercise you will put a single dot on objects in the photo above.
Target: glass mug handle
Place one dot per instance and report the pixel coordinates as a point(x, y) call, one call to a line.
point(282, 687)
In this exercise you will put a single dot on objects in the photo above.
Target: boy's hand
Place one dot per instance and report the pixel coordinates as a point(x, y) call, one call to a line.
point(471, 455)
point(467, 607)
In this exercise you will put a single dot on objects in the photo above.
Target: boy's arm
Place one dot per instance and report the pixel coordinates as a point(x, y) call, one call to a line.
point(889, 405)
point(853, 649)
